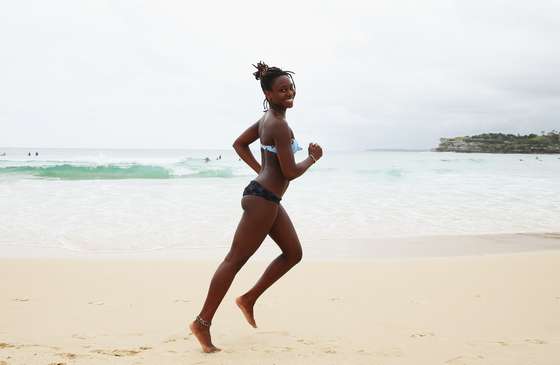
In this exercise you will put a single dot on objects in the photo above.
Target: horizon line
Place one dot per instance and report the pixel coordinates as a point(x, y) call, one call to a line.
point(199, 148)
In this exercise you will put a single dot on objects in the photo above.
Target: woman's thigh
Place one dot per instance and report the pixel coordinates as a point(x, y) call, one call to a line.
point(285, 236)
point(258, 216)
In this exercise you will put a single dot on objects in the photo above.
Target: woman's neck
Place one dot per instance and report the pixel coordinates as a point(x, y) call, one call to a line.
point(278, 110)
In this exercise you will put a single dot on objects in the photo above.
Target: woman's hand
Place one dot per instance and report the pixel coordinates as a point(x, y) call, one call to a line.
point(315, 150)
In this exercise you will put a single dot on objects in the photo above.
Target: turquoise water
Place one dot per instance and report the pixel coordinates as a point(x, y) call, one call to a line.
point(124, 201)
point(76, 172)
point(117, 164)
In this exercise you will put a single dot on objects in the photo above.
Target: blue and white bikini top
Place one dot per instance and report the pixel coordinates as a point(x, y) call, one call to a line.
point(294, 144)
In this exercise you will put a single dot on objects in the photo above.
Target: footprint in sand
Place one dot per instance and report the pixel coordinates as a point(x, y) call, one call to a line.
point(535, 341)
point(335, 299)
point(422, 334)
point(502, 343)
point(67, 355)
point(305, 342)
point(329, 351)
point(4, 345)
point(79, 337)
point(120, 352)
point(463, 360)
point(52, 363)
point(96, 302)
point(182, 301)
point(23, 300)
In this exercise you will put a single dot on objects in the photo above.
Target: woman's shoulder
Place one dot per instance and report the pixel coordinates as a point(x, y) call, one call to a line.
point(274, 127)
point(274, 122)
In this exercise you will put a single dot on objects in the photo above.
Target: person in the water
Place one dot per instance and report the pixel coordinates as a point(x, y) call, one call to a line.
point(262, 212)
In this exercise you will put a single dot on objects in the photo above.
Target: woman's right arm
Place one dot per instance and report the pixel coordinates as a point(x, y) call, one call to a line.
point(291, 169)
point(241, 146)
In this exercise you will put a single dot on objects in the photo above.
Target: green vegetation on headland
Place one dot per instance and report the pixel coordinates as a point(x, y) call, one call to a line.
point(503, 143)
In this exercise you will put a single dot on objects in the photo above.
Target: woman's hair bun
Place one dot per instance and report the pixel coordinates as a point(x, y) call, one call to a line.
point(262, 68)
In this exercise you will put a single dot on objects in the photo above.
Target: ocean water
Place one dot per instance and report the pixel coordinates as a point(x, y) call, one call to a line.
point(130, 201)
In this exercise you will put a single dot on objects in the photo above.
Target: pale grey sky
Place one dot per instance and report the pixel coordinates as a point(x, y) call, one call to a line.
point(369, 74)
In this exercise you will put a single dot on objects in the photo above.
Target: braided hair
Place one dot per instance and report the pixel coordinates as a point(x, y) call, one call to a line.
point(267, 75)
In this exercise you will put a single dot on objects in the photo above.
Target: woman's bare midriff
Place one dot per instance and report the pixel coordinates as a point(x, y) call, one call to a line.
point(271, 177)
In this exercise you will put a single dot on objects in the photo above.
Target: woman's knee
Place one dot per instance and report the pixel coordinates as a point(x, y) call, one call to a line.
point(294, 256)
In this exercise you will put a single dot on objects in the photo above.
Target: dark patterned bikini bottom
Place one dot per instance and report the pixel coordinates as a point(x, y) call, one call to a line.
point(256, 189)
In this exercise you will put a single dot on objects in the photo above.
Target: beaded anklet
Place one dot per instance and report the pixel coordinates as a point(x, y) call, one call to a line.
point(202, 322)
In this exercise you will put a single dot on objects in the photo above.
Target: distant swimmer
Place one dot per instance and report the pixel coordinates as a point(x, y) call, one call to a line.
point(29, 154)
point(3, 154)
point(206, 159)
point(36, 153)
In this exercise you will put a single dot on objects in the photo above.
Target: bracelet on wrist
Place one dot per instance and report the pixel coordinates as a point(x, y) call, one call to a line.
point(313, 158)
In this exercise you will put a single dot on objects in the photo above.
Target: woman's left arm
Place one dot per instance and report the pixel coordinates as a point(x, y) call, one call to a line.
point(241, 146)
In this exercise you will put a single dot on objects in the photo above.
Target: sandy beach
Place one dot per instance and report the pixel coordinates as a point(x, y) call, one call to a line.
point(478, 309)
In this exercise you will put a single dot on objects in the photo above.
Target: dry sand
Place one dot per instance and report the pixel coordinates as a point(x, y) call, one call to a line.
point(501, 309)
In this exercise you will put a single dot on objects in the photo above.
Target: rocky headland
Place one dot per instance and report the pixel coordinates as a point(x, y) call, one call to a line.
point(502, 143)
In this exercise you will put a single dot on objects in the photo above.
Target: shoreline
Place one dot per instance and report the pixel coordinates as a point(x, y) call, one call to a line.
point(359, 249)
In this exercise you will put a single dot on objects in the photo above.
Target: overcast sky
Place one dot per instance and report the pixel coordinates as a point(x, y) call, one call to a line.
point(369, 74)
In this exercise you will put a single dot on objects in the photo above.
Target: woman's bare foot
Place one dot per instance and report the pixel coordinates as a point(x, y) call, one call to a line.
point(202, 334)
point(247, 310)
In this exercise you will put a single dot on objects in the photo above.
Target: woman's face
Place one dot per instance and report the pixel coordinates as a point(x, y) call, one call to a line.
point(282, 93)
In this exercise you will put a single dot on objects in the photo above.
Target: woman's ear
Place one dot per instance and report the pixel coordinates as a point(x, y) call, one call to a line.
point(267, 94)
